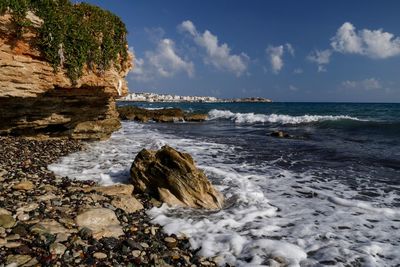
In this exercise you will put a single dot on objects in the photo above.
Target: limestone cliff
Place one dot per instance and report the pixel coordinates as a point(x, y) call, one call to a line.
point(36, 100)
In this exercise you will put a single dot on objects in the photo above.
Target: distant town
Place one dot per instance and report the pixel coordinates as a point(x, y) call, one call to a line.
point(153, 97)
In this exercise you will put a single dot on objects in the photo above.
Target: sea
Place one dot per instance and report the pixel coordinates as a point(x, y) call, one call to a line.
point(327, 196)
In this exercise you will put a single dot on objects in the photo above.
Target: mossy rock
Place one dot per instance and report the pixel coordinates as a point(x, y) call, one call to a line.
point(73, 35)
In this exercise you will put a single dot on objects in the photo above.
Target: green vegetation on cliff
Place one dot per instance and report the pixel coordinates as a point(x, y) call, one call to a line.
point(72, 35)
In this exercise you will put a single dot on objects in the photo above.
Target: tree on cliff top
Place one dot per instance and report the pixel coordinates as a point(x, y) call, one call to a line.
point(72, 35)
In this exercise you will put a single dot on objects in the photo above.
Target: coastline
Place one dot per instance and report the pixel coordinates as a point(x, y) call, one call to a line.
point(38, 211)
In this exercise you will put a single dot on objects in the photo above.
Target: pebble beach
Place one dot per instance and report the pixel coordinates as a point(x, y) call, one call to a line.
point(38, 212)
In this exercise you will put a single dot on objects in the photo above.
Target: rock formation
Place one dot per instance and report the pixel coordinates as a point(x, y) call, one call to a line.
point(37, 100)
point(159, 115)
point(172, 177)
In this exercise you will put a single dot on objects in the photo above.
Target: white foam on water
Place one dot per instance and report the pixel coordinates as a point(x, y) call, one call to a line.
point(271, 214)
point(274, 118)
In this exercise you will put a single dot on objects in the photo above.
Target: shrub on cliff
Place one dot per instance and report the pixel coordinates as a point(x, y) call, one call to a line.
point(72, 35)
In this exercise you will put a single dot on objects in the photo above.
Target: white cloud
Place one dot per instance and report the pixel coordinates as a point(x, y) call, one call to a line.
point(321, 58)
point(366, 84)
point(275, 57)
point(375, 44)
point(276, 53)
point(347, 40)
point(162, 62)
point(290, 49)
point(217, 55)
point(293, 88)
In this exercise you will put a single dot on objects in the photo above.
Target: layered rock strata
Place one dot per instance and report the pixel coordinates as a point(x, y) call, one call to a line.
point(172, 177)
point(36, 100)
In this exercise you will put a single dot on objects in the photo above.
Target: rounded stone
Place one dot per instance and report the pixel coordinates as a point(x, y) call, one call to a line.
point(99, 255)
point(6, 221)
point(171, 242)
point(57, 249)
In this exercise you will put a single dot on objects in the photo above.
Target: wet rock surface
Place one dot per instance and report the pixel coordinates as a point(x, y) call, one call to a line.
point(172, 177)
point(160, 115)
point(41, 227)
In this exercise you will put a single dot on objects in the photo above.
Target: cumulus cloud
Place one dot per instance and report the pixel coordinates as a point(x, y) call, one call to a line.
point(275, 57)
point(276, 53)
point(375, 44)
point(366, 84)
point(217, 55)
point(321, 58)
point(162, 62)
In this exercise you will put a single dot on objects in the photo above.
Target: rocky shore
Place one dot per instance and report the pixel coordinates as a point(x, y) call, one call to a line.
point(46, 220)
point(159, 115)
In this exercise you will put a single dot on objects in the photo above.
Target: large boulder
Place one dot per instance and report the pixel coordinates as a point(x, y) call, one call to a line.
point(172, 177)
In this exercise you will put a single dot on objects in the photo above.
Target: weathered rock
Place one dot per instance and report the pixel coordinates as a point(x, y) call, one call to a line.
point(37, 101)
point(171, 176)
point(195, 117)
point(159, 115)
point(24, 185)
point(4, 212)
point(49, 226)
point(17, 260)
point(171, 242)
point(57, 249)
point(103, 222)
point(280, 134)
point(128, 204)
point(113, 190)
point(6, 221)
point(100, 255)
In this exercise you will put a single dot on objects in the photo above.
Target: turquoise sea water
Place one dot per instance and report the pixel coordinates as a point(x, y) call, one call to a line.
point(328, 196)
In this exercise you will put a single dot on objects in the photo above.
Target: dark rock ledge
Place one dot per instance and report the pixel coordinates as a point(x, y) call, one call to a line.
point(134, 113)
point(46, 220)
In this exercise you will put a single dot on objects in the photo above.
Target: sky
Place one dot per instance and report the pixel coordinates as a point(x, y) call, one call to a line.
point(313, 51)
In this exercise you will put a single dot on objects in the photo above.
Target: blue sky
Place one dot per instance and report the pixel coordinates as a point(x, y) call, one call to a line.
point(284, 50)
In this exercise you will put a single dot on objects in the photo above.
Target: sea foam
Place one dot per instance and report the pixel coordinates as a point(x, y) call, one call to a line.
point(274, 118)
point(271, 214)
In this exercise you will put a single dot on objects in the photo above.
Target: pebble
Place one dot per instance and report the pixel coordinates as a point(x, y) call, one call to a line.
point(23, 217)
point(57, 248)
point(12, 244)
point(100, 255)
point(18, 260)
point(38, 226)
point(4, 212)
point(144, 245)
point(136, 253)
point(6, 221)
point(171, 242)
point(24, 185)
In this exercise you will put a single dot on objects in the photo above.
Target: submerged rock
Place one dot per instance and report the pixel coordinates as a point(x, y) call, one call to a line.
point(280, 134)
point(159, 115)
point(172, 177)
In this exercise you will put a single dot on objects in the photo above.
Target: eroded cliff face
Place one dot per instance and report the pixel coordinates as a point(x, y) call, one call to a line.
point(37, 101)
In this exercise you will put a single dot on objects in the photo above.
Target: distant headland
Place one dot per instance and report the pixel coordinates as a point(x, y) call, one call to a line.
point(153, 97)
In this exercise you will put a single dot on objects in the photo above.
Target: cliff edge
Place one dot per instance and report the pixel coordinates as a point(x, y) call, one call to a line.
point(40, 99)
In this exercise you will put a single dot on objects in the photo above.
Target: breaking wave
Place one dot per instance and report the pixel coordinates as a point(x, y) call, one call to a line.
point(274, 118)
